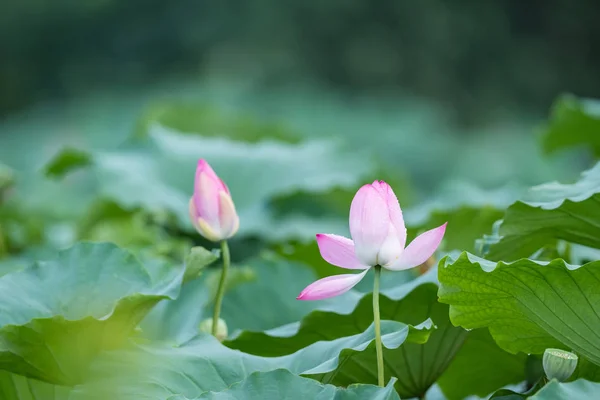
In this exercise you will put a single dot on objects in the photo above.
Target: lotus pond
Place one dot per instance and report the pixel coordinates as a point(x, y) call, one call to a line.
point(220, 256)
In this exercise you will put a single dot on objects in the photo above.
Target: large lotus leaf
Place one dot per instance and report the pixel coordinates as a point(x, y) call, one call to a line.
point(57, 315)
point(206, 120)
point(416, 365)
point(265, 299)
point(11, 264)
point(579, 389)
point(549, 212)
point(17, 387)
point(480, 367)
point(157, 174)
point(270, 298)
point(135, 231)
point(528, 306)
point(574, 122)
point(555, 390)
point(282, 384)
point(156, 371)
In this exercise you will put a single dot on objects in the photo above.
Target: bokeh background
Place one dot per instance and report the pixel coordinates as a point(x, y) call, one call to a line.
point(313, 98)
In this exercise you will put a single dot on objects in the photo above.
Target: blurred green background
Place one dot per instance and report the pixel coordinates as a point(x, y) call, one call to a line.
point(473, 59)
point(443, 99)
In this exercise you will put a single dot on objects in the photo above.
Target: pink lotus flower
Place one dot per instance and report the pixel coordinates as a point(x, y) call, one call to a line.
point(211, 208)
point(379, 237)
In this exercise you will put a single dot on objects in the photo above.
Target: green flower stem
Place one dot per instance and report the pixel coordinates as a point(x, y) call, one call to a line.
point(376, 318)
point(3, 249)
point(221, 289)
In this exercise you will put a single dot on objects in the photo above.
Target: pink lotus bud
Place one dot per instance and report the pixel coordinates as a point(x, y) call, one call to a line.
point(211, 208)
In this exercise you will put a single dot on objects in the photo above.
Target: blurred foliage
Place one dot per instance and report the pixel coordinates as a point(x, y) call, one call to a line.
point(129, 185)
point(189, 117)
point(68, 160)
point(507, 54)
point(574, 122)
point(154, 174)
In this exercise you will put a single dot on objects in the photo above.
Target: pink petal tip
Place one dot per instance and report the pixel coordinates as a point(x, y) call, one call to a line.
point(420, 249)
point(330, 286)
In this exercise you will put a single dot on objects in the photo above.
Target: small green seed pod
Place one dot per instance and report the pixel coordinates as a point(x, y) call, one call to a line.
point(559, 364)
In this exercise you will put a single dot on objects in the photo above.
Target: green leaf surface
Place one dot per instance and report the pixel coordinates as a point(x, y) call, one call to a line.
point(59, 314)
point(417, 365)
point(19, 229)
point(67, 160)
point(282, 384)
point(550, 212)
point(528, 306)
point(17, 387)
point(269, 300)
point(480, 367)
point(136, 231)
point(7, 176)
point(580, 389)
point(157, 175)
point(465, 225)
point(586, 370)
point(456, 195)
point(196, 261)
point(156, 370)
point(265, 300)
point(469, 211)
point(574, 121)
point(207, 120)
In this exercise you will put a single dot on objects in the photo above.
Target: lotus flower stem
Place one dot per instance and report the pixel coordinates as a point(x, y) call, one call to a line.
point(376, 318)
point(221, 289)
point(3, 247)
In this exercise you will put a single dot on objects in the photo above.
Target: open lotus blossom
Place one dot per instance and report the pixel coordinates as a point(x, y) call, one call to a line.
point(211, 208)
point(378, 238)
